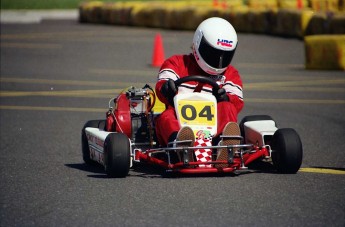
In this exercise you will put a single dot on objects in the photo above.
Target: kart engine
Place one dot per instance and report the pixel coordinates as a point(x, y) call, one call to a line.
point(141, 102)
point(133, 115)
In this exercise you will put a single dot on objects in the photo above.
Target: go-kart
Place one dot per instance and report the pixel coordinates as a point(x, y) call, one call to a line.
point(127, 136)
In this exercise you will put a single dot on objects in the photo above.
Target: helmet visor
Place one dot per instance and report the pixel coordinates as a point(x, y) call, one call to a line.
point(215, 58)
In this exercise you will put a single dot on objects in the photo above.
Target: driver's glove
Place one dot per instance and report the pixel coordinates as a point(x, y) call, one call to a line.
point(169, 90)
point(220, 95)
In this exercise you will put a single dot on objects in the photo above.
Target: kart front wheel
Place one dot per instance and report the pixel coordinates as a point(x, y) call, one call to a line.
point(287, 151)
point(117, 155)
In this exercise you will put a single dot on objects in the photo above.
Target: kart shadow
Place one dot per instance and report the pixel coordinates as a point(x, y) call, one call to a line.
point(152, 171)
point(146, 170)
point(97, 169)
point(140, 170)
point(262, 167)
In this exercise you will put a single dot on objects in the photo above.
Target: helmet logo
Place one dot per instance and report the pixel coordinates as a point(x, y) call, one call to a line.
point(224, 42)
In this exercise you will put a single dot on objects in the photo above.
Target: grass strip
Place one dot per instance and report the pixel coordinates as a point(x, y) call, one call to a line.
point(44, 4)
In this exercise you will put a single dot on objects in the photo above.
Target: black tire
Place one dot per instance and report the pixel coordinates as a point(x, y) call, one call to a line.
point(117, 155)
point(84, 143)
point(287, 151)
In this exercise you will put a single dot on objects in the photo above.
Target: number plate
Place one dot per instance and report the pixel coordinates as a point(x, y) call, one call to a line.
point(196, 112)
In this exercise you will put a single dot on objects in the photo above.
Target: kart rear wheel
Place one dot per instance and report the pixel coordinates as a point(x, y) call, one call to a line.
point(287, 151)
point(84, 143)
point(117, 155)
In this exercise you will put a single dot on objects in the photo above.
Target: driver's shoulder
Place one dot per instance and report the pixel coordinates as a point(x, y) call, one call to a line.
point(230, 70)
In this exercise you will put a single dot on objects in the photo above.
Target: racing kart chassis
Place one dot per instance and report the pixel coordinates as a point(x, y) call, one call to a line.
point(240, 156)
point(127, 136)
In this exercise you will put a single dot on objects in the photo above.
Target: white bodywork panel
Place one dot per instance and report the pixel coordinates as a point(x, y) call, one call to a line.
point(96, 138)
point(255, 131)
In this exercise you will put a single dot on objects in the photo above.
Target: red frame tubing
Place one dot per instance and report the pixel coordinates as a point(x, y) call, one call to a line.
point(207, 170)
point(147, 158)
point(180, 167)
point(260, 153)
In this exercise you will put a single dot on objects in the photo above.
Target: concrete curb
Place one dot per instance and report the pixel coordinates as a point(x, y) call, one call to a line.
point(36, 16)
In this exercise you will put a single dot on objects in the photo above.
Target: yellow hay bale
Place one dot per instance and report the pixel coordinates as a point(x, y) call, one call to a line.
point(180, 18)
point(318, 24)
point(95, 10)
point(117, 13)
point(91, 5)
point(201, 14)
point(107, 12)
point(337, 24)
point(248, 20)
point(325, 52)
point(325, 5)
point(90, 11)
point(198, 15)
point(342, 5)
point(188, 18)
point(227, 4)
point(263, 4)
point(238, 18)
point(187, 15)
point(292, 22)
point(261, 21)
point(306, 17)
point(293, 4)
point(142, 16)
point(289, 23)
point(159, 17)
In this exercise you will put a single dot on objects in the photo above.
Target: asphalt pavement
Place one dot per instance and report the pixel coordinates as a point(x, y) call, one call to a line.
point(58, 74)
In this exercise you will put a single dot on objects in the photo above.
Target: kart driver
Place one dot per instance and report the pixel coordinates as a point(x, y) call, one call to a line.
point(214, 45)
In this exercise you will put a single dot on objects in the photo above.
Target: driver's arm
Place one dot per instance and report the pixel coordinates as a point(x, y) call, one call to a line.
point(169, 70)
point(234, 89)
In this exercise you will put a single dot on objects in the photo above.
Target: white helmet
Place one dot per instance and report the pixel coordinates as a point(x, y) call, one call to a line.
point(214, 45)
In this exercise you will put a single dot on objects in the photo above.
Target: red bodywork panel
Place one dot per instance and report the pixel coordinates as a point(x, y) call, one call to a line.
point(123, 117)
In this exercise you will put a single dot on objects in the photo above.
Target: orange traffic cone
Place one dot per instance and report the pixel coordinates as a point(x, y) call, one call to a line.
point(158, 51)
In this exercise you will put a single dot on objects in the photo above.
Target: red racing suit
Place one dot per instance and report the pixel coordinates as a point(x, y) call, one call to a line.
point(179, 66)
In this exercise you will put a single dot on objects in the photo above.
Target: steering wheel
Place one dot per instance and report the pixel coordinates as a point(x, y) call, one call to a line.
point(197, 78)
